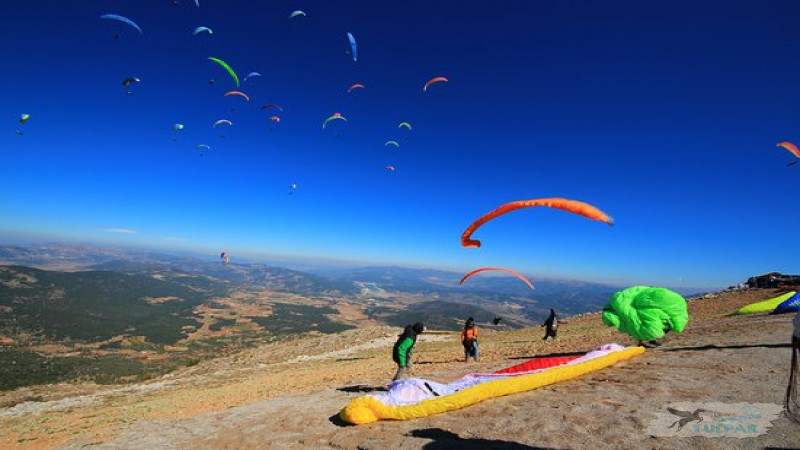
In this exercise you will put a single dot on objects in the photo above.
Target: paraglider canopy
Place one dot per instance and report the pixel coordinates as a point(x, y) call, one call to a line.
point(199, 30)
point(353, 46)
point(501, 269)
point(335, 116)
point(646, 313)
point(177, 127)
point(227, 68)
point(433, 81)
point(405, 124)
point(129, 81)
point(355, 86)
point(573, 206)
point(392, 143)
point(251, 75)
point(791, 148)
point(124, 20)
point(23, 118)
point(239, 93)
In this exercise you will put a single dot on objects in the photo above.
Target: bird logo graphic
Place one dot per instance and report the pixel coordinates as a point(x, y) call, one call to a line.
point(686, 417)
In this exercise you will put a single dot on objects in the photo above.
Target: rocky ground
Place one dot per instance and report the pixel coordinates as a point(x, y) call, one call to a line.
point(287, 394)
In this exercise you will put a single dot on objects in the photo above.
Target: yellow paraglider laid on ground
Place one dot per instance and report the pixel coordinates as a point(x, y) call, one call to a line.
point(765, 305)
point(369, 409)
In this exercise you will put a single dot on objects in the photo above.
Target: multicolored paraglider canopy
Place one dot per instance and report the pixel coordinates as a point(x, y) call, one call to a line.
point(414, 398)
point(790, 305)
point(335, 116)
point(767, 305)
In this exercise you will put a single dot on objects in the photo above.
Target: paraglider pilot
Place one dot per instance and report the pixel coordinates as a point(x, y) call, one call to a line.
point(401, 353)
point(469, 339)
point(552, 325)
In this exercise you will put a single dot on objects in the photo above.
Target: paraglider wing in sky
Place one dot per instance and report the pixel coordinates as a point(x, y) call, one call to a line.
point(389, 168)
point(124, 20)
point(573, 206)
point(221, 121)
point(791, 148)
point(335, 116)
point(23, 118)
point(646, 313)
point(355, 86)
point(251, 75)
point(272, 106)
point(227, 68)
point(177, 127)
point(129, 81)
point(240, 94)
point(199, 30)
point(394, 143)
point(483, 269)
point(405, 124)
point(353, 46)
point(275, 119)
point(297, 13)
point(432, 81)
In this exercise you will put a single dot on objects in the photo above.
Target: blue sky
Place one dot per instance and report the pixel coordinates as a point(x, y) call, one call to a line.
point(665, 115)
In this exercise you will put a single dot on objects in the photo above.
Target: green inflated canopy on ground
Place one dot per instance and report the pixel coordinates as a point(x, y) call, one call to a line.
point(766, 305)
point(646, 313)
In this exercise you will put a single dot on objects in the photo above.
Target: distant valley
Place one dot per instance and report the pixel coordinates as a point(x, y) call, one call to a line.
point(111, 314)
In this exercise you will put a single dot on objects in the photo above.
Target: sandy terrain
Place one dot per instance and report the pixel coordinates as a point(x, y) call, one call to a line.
point(287, 395)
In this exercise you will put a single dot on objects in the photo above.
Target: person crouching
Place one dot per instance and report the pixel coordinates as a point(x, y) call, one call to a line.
point(401, 353)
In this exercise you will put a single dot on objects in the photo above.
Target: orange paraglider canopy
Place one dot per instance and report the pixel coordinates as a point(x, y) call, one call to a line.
point(790, 147)
point(355, 86)
point(483, 269)
point(240, 94)
point(433, 81)
point(573, 206)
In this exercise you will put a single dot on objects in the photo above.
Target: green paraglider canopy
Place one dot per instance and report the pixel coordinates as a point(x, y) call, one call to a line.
point(646, 313)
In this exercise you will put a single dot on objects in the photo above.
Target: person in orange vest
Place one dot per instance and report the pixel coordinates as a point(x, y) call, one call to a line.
point(469, 339)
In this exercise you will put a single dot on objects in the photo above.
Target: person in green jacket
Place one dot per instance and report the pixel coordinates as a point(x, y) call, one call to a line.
point(401, 353)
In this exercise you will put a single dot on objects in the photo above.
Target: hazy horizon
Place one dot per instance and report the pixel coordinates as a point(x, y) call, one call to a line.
point(315, 264)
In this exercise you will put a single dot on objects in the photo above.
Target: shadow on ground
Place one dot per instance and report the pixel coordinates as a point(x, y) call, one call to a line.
point(362, 388)
point(551, 355)
point(443, 439)
point(722, 347)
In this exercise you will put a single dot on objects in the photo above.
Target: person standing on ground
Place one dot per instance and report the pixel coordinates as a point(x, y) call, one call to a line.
point(792, 399)
point(469, 339)
point(401, 353)
point(552, 325)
